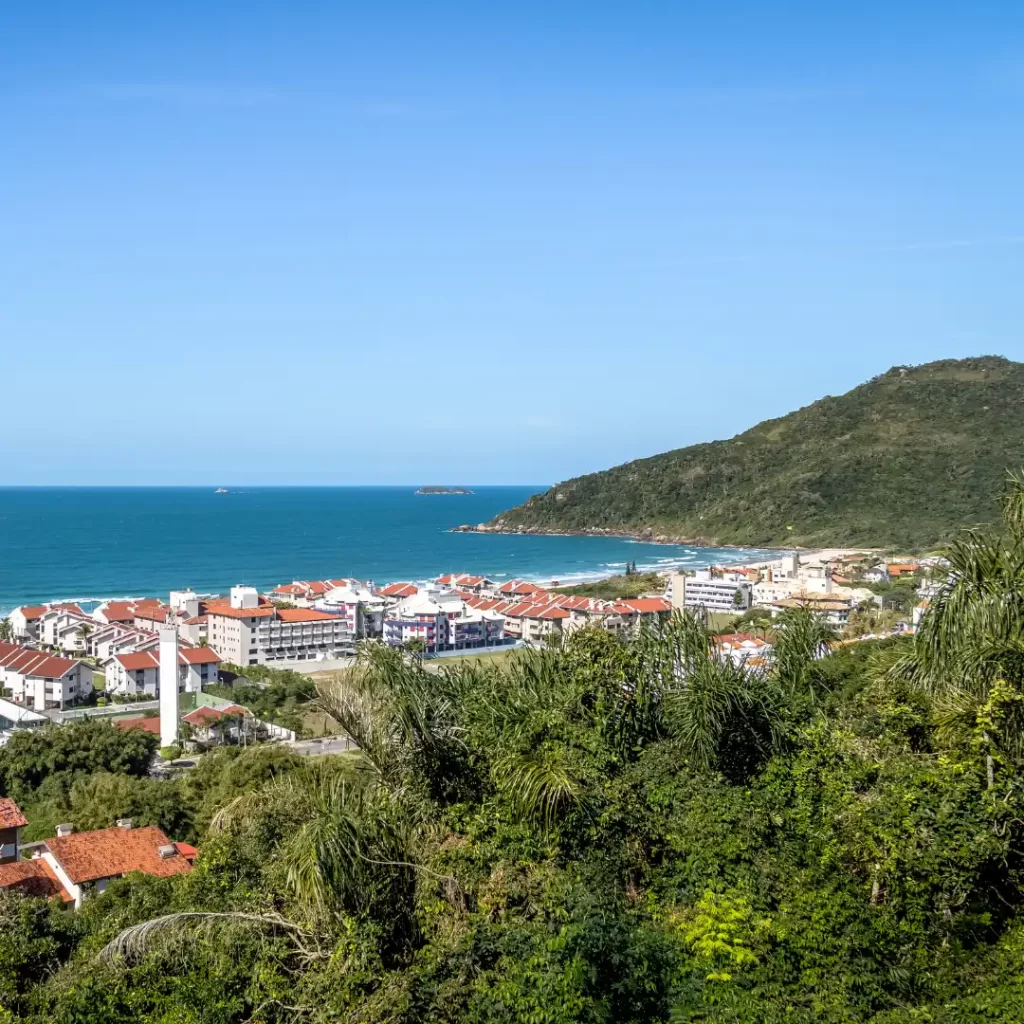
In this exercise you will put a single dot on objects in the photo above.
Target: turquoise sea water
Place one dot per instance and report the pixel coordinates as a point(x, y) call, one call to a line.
point(91, 543)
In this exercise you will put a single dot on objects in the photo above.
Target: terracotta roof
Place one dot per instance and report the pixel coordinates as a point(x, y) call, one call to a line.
point(207, 715)
point(400, 590)
point(263, 611)
point(66, 607)
point(145, 724)
point(188, 851)
point(290, 589)
point(111, 852)
point(27, 661)
point(520, 587)
point(10, 814)
point(32, 611)
point(646, 605)
point(196, 620)
point(34, 877)
point(151, 659)
point(303, 615)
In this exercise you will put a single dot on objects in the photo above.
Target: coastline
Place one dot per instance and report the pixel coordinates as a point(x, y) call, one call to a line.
point(645, 536)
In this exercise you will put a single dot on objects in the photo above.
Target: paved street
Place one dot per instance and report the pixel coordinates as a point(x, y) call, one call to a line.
point(320, 747)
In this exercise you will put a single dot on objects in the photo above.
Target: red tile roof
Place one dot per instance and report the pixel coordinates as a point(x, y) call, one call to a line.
point(33, 877)
point(145, 724)
point(10, 814)
point(151, 659)
point(303, 615)
point(67, 607)
point(520, 587)
point(400, 590)
point(647, 605)
point(223, 607)
point(27, 661)
point(32, 611)
point(111, 852)
point(207, 715)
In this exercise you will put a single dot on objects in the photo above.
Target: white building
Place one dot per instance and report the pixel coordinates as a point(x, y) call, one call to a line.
point(245, 630)
point(139, 673)
point(358, 605)
point(702, 590)
point(443, 621)
point(41, 680)
point(25, 621)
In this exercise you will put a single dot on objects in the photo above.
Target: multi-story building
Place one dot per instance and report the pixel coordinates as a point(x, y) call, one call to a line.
point(359, 605)
point(139, 672)
point(702, 590)
point(25, 621)
point(248, 630)
point(42, 680)
point(443, 621)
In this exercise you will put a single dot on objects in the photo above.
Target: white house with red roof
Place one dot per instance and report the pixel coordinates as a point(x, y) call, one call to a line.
point(444, 620)
point(138, 672)
point(361, 607)
point(41, 680)
point(25, 621)
point(467, 583)
point(73, 865)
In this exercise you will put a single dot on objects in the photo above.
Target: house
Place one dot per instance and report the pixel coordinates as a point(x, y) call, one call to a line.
point(393, 593)
point(44, 680)
point(139, 672)
point(359, 605)
point(444, 620)
point(743, 648)
point(12, 821)
point(144, 724)
point(532, 622)
point(833, 609)
point(66, 627)
point(71, 865)
point(521, 590)
point(25, 621)
point(466, 582)
point(210, 723)
point(897, 570)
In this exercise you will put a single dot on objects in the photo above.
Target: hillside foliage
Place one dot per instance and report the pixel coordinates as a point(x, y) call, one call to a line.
point(903, 461)
point(611, 831)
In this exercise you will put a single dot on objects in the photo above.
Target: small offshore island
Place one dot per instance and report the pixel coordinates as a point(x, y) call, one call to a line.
point(437, 489)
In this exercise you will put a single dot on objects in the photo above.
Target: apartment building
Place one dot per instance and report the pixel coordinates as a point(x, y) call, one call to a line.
point(139, 672)
point(702, 590)
point(361, 607)
point(246, 629)
point(443, 621)
point(41, 680)
point(25, 621)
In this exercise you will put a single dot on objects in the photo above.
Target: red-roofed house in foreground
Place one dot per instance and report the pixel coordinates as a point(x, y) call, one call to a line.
point(12, 821)
point(72, 865)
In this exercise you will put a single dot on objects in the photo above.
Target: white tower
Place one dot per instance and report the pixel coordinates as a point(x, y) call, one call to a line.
point(168, 684)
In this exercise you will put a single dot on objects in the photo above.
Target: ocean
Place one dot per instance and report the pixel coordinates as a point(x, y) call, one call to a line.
point(88, 544)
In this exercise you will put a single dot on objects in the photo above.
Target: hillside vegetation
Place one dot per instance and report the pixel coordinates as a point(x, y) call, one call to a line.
point(905, 460)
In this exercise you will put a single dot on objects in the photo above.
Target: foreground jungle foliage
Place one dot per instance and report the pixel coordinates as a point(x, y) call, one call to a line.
point(905, 460)
point(606, 832)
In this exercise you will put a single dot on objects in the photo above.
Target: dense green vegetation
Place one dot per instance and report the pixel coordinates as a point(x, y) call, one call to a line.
point(616, 587)
point(904, 460)
point(610, 831)
point(282, 696)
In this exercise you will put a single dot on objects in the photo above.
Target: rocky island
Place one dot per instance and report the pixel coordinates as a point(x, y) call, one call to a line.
point(436, 489)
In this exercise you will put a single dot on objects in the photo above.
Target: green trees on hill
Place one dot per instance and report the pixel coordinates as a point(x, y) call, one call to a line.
point(905, 460)
point(611, 831)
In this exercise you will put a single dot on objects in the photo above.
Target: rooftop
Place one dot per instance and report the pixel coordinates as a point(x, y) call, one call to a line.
point(10, 814)
point(111, 852)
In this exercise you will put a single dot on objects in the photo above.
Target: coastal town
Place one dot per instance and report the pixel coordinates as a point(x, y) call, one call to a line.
point(53, 655)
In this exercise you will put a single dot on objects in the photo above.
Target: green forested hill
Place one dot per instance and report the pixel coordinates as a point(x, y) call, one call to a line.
point(906, 460)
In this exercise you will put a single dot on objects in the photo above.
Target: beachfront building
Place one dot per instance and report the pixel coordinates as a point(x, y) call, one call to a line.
point(25, 621)
point(41, 680)
point(702, 590)
point(361, 608)
point(306, 593)
point(246, 629)
point(467, 583)
point(73, 865)
point(532, 622)
point(442, 621)
point(395, 593)
point(139, 672)
point(831, 607)
point(65, 627)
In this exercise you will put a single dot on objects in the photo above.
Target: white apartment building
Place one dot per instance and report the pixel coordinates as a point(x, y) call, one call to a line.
point(702, 590)
point(25, 621)
point(361, 608)
point(244, 631)
point(41, 680)
point(443, 621)
point(139, 672)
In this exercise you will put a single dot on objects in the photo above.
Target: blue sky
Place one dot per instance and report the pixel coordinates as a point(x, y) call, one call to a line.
point(501, 243)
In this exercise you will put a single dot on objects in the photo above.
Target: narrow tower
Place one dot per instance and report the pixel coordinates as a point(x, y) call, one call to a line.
point(168, 684)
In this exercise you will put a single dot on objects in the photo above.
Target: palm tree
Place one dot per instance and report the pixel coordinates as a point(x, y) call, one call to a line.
point(969, 647)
